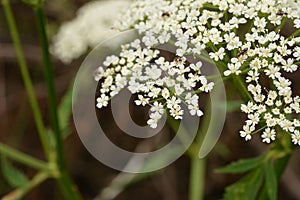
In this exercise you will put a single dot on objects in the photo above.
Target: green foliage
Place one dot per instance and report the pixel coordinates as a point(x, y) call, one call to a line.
point(247, 188)
point(271, 180)
point(13, 176)
point(64, 114)
point(242, 165)
point(32, 2)
point(65, 111)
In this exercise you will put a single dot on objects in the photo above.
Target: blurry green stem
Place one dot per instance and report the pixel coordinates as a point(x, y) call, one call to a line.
point(23, 158)
point(197, 178)
point(64, 179)
point(48, 73)
point(197, 170)
point(295, 34)
point(245, 95)
point(278, 28)
point(281, 162)
point(26, 77)
point(23, 190)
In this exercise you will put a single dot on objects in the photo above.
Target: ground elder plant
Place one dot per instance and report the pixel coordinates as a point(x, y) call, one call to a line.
point(251, 42)
point(219, 27)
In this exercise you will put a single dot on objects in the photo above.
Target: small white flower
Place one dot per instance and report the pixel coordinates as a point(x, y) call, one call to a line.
point(268, 135)
point(173, 102)
point(233, 69)
point(296, 137)
point(206, 87)
point(153, 72)
point(219, 55)
point(247, 131)
point(154, 118)
point(102, 101)
point(157, 107)
point(297, 23)
point(165, 93)
point(142, 100)
point(249, 108)
point(289, 65)
point(253, 118)
point(194, 110)
point(98, 74)
point(176, 112)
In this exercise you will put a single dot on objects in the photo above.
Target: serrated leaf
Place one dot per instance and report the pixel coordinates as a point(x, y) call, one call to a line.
point(246, 188)
point(13, 176)
point(271, 180)
point(64, 112)
point(242, 165)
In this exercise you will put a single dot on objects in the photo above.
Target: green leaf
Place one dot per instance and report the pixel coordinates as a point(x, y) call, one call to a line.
point(13, 176)
point(32, 2)
point(246, 188)
point(242, 165)
point(64, 112)
point(271, 180)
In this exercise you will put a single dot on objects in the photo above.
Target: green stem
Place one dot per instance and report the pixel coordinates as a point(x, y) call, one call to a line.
point(197, 170)
point(64, 179)
point(24, 189)
point(246, 96)
point(23, 158)
point(48, 73)
point(295, 34)
point(26, 77)
point(278, 28)
point(197, 177)
point(279, 166)
point(183, 137)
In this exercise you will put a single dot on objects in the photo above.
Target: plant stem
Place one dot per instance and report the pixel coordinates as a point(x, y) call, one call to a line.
point(278, 28)
point(245, 95)
point(26, 77)
point(24, 189)
point(197, 169)
point(197, 178)
point(295, 34)
point(280, 166)
point(48, 73)
point(64, 179)
point(23, 158)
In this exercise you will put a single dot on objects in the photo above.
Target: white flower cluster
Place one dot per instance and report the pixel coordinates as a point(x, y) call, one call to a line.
point(243, 38)
point(92, 25)
point(158, 82)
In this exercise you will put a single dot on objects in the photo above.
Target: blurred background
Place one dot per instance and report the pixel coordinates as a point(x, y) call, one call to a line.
point(95, 180)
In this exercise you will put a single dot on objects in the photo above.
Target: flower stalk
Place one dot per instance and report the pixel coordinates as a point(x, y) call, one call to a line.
point(26, 77)
point(64, 179)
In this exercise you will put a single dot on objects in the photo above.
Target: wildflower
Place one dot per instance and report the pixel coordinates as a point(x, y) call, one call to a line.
point(296, 137)
point(91, 26)
point(102, 101)
point(219, 55)
point(268, 135)
point(169, 84)
point(247, 131)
